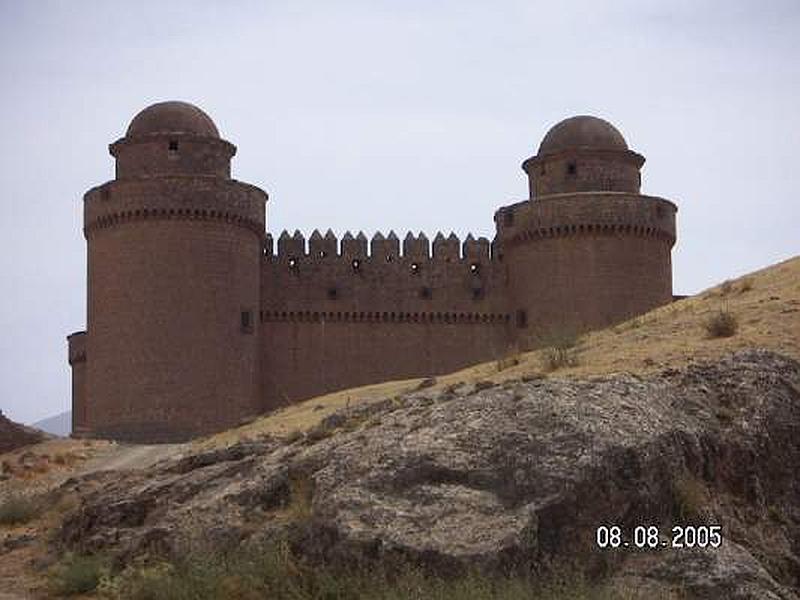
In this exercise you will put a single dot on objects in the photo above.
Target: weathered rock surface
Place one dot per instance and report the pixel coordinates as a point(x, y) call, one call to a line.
point(515, 477)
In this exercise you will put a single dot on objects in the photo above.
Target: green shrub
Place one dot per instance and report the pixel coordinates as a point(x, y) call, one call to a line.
point(721, 324)
point(77, 574)
point(17, 510)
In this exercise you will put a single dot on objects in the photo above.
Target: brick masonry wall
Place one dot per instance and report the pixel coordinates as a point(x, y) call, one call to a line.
point(77, 361)
point(313, 356)
point(400, 310)
point(584, 171)
point(151, 156)
point(576, 262)
point(167, 355)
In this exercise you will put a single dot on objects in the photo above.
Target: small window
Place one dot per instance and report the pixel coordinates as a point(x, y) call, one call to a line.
point(333, 293)
point(173, 145)
point(426, 293)
point(477, 293)
point(247, 321)
point(356, 265)
point(571, 168)
point(415, 268)
point(389, 258)
point(292, 264)
point(475, 268)
point(522, 318)
point(322, 254)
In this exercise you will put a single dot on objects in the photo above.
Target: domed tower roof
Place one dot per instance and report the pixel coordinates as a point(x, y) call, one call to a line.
point(172, 117)
point(583, 131)
point(583, 154)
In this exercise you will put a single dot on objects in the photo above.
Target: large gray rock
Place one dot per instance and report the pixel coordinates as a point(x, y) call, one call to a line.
point(512, 477)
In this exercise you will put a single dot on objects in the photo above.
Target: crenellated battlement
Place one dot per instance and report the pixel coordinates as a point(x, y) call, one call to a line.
point(384, 248)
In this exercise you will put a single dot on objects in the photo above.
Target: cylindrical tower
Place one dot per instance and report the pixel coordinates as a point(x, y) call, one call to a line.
point(587, 249)
point(174, 253)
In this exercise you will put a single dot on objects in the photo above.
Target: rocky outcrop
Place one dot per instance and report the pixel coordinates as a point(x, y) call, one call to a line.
point(13, 435)
point(513, 477)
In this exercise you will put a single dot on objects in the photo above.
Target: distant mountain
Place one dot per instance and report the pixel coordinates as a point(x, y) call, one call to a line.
point(57, 424)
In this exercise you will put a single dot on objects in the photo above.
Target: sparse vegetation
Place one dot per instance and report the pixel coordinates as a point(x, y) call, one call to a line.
point(746, 284)
point(77, 574)
point(484, 384)
point(293, 436)
point(721, 324)
point(18, 510)
point(274, 572)
point(560, 352)
point(426, 383)
point(690, 497)
point(507, 362)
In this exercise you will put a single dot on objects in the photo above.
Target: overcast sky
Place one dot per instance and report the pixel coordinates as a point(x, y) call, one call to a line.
point(376, 115)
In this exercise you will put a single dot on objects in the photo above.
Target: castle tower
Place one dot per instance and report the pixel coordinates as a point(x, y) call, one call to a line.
point(587, 249)
point(174, 253)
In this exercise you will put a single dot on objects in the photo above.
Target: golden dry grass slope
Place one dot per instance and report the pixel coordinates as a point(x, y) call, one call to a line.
point(765, 305)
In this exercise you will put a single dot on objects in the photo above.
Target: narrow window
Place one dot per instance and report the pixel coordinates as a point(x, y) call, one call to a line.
point(356, 264)
point(293, 264)
point(477, 293)
point(415, 268)
point(247, 321)
point(475, 268)
point(333, 293)
point(173, 145)
point(522, 318)
point(426, 293)
point(571, 168)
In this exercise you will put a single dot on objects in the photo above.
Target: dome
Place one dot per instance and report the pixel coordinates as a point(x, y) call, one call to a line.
point(172, 117)
point(582, 132)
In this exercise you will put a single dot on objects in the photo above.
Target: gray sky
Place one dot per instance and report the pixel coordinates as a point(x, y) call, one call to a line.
point(375, 115)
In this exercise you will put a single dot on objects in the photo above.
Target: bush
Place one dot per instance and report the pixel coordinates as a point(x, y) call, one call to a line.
point(690, 497)
point(722, 324)
point(272, 571)
point(560, 352)
point(77, 574)
point(17, 510)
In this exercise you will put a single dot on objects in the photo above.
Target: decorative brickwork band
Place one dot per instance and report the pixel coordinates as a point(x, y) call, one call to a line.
point(385, 317)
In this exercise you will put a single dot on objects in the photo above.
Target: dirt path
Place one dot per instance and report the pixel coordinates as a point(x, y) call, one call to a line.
point(124, 456)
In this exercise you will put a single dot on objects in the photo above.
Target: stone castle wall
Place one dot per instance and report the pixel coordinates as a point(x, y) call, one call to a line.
point(584, 261)
point(337, 316)
point(173, 265)
point(197, 319)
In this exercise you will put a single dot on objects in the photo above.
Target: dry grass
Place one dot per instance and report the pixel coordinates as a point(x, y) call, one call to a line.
point(721, 324)
point(291, 421)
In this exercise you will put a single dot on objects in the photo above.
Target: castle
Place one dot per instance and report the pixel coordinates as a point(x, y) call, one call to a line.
point(198, 320)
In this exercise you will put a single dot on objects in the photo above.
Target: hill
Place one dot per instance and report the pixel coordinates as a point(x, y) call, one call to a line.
point(492, 482)
point(13, 435)
point(60, 424)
